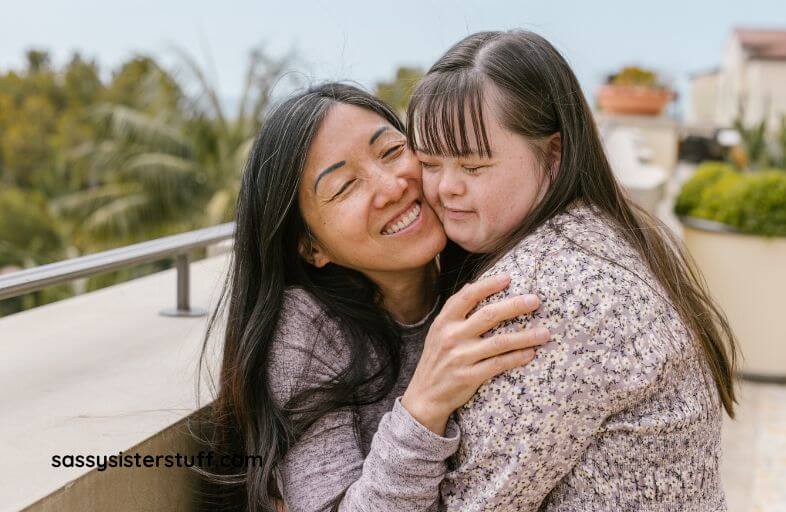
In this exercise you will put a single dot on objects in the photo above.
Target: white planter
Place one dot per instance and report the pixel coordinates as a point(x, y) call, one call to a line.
point(746, 275)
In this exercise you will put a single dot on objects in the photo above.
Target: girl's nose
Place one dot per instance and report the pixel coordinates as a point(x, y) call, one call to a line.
point(451, 184)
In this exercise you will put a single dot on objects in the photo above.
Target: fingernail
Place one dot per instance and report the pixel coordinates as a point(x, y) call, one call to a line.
point(502, 277)
point(542, 334)
point(531, 301)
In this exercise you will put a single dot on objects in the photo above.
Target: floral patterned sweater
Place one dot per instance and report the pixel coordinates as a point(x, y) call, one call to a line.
point(617, 412)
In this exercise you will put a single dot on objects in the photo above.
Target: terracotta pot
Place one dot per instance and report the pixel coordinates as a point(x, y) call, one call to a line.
point(633, 99)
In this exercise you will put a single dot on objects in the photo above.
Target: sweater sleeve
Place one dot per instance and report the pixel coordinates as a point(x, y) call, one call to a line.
point(406, 462)
point(524, 430)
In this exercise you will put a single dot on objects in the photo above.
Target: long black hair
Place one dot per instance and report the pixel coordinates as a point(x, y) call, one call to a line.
point(264, 262)
point(539, 96)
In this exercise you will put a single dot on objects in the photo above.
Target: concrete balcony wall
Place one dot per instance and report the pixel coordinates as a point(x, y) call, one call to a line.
point(135, 489)
point(98, 374)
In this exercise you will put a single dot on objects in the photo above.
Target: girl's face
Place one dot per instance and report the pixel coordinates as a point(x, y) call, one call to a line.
point(482, 200)
point(361, 197)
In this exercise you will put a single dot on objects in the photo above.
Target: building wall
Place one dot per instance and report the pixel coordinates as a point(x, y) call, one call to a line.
point(703, 98)
point(731, 85)
point(757, 86)
point(767, 84)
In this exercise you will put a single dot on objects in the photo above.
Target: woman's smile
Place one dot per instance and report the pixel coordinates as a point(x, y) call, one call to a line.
point(406, 222)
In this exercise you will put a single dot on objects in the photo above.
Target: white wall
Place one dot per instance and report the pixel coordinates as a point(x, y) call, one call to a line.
point(767, 81)
point(758, 85)
point(703, 98)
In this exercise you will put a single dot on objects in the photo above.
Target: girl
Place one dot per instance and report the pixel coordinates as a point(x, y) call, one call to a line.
point(622, 409)
point(331, 298)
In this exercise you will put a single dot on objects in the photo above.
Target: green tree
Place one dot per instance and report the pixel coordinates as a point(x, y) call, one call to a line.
point(29, 236)
point(397, 92)
point(88, 164)
point(167, 162)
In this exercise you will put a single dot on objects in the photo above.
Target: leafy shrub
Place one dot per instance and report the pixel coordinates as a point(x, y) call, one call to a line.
point(705, 176)
point(633, 75)
point(763, 205)
point(750, 203)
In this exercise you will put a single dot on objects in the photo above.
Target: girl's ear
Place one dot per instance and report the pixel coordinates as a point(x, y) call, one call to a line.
point(311, 251)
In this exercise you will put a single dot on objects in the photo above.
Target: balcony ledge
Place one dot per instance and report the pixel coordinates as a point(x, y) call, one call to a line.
point(98, 374)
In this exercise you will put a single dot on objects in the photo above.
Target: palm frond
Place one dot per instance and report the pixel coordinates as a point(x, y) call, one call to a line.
point(274, 72)
point(85, 201)
point(208, 89)
point(219, 208)
point(241, 155)
point(135, 127)
point(120, 218)
point(167, 176)
point(161, 163)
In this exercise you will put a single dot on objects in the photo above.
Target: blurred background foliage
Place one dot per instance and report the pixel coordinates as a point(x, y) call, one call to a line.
point(90, 163)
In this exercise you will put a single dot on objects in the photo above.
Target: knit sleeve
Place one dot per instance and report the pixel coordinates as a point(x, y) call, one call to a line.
point(406, 462)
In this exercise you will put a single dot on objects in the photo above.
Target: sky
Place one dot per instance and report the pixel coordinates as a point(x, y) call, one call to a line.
point(365, 41)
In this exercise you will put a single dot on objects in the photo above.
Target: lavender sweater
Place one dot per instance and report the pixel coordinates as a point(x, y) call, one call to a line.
point(396, 464)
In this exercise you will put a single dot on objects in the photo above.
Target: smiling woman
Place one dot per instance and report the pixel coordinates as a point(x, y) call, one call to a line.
point(339, 369)
point(364, 208)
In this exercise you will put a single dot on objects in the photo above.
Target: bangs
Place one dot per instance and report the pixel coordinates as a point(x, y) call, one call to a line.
point(445, 116)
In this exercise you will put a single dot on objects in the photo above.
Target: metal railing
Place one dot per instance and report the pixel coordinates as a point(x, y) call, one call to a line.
point(177, 246)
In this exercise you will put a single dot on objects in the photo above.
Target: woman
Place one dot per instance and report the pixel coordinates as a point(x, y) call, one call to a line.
point(622, 410)
point(331, 293)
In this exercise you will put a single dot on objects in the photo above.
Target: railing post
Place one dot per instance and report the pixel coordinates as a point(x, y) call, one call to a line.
point(183, 290)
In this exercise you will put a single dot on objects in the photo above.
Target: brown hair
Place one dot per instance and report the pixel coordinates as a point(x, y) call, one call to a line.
point(540, 96)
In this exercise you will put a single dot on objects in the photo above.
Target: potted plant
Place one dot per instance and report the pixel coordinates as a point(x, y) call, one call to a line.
point(735, 229)
point(634, 91)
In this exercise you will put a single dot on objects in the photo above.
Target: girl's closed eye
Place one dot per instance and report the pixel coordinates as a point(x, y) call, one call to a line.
point(473, 169)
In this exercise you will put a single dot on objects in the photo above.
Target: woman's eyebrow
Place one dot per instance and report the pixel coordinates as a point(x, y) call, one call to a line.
point(328, 171)
point(376, 135)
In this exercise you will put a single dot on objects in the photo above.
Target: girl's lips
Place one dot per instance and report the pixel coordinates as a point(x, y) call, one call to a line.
point(457, 214)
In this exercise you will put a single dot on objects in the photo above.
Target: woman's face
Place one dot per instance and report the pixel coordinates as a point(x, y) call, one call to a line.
point(482, 200)
point(361, 197)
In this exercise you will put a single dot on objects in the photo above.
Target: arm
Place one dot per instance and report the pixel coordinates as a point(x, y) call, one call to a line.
point(524, 430)
point(403, 469)
point(406, 461)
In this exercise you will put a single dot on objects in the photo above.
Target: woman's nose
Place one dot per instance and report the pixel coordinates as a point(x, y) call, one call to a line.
point(390, 188)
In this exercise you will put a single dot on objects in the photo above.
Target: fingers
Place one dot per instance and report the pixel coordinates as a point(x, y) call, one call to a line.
point(508, 342)
point(465, 300)
point(491, 315)
point(493, 366)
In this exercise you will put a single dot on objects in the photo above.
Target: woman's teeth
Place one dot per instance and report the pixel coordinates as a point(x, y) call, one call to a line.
point(407, 219)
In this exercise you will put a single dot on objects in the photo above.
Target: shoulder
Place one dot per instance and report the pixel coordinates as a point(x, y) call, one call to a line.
point(301, 311)
point(584, 273)
point(304, 323)
point(308, 348)
point(575, 246)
